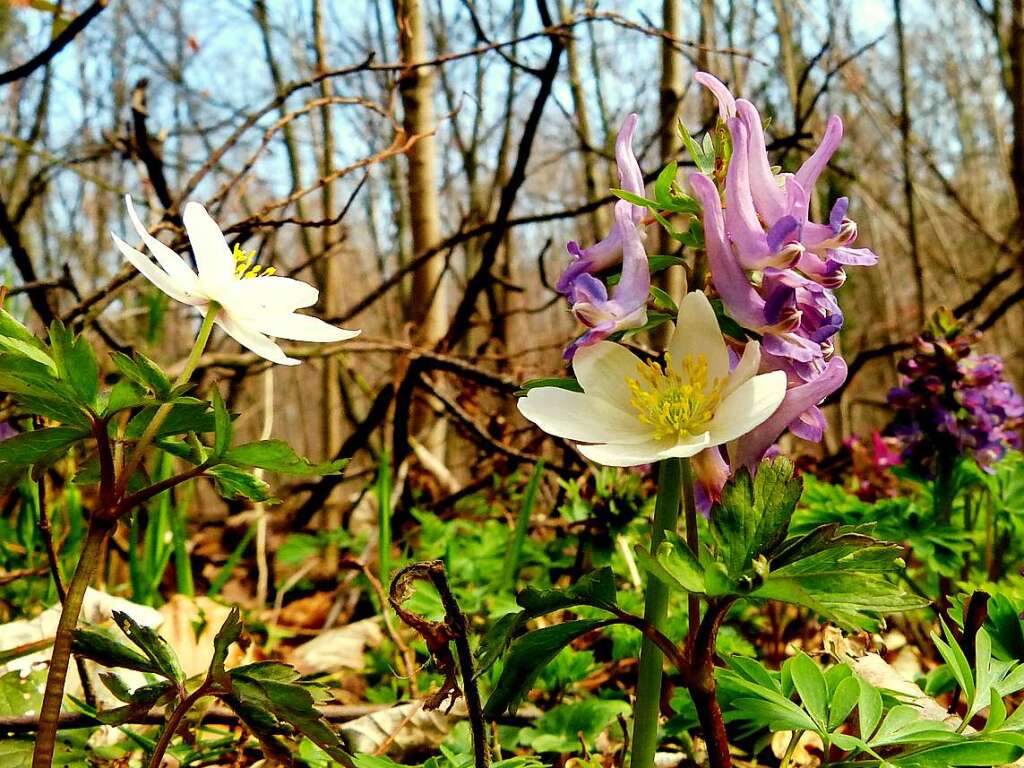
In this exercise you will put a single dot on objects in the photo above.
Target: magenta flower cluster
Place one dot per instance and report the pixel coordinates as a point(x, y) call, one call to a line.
point(952, 403)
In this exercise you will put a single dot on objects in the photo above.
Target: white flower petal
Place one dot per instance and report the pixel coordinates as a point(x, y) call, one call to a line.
point(171, 262)
point(299, 328)
point(253, 340)
point(213, 257)
point(689, 447)
point(578, 416)
point(274, 293)
point(697, 333)
point(621, 455)
point(602, 370)
point(648, 452)
point(154, 274)
point(745, 369)
point(748, 406)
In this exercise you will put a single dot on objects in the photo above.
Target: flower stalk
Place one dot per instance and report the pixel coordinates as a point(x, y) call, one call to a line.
point(648, 689)
point(102, 522)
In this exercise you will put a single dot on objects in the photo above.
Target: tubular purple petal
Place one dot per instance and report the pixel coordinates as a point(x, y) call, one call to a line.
point(748, 450)
point(731, 282)
point(726, 101)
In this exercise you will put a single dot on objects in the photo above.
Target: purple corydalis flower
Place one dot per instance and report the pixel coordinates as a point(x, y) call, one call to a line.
point(607, 252)
point(775, 202)
point(627, 307)
point(951, 403)
point(6, 430)
point(799, 412)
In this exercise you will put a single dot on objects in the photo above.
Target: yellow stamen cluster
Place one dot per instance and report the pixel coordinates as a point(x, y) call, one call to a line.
point(246, 266)
point(676, 401)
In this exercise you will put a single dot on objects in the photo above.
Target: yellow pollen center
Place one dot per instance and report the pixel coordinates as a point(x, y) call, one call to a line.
point(246, 266)
point(676, 402)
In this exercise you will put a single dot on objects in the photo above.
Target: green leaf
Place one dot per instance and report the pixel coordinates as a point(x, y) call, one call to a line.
point(663, 184)
point(103, 649)
point(144, 372)
point(228, 633)
point(662, 300)
point(234, 483)
point(810, 684)
point(278, 456)
point(869, 708)
point(596, 589)
point(76, 362)
point(561, 382)
point(38, 445)
point(150, 643)
point(186, 415)
point(26, 378)
point(562, 728)
point(674, 565)
point(753, 516)
point(123, 395)
point(527, 656)
point(841, 574)
point(271, 693)
point(844, 699)
point(222, 421)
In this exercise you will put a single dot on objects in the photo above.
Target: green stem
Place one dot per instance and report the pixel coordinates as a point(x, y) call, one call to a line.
point(690, 507)
point(53, 694)
point(648, 687)
point(162, 412)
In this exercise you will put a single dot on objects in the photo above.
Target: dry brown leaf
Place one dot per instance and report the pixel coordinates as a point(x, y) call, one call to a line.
point(338, 649)
point(181, 617)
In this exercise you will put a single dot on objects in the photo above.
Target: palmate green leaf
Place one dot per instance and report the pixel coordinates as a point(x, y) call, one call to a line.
point(278, 456)
point(143, 372)
point(38, 445)
point(753, 516)
point(186, 415)
point(76, 362)
point(562, 728)
point(527, 656)
point(276, 691)
point(844, 699)
point(839, 573)
point(140, 701)
point(125, 394)
point(37, 387)
point(975, 751)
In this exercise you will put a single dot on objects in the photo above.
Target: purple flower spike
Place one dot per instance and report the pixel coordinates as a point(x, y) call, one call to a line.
point(608, 252)
point(731, 282)
point(627, 307)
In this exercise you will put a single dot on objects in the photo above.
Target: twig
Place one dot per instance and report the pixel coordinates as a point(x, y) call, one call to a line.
point(69, 33)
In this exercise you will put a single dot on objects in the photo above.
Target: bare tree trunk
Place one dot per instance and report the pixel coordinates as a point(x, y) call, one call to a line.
point(784, 28)
point(1015, 90)
point(908, 181)
point(330, 383)
point(427, 312)
point(706, 60)
point(672, 280)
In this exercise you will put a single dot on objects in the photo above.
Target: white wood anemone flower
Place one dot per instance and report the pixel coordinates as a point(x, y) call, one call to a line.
point(252, 303)
point(633, 412)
